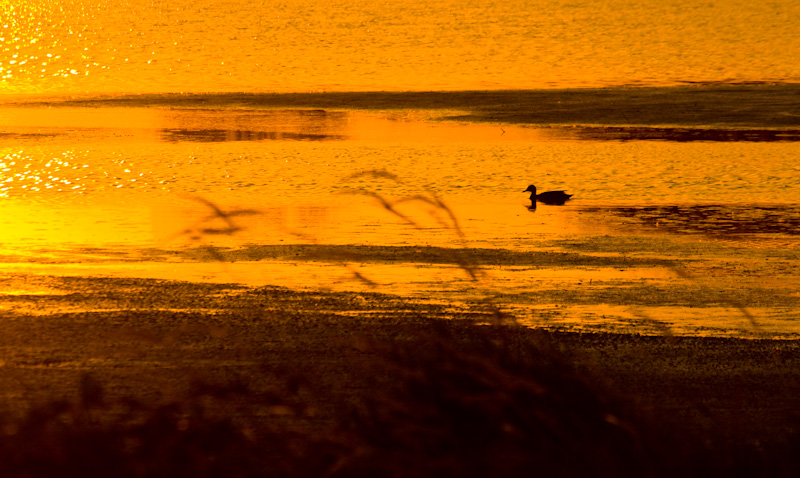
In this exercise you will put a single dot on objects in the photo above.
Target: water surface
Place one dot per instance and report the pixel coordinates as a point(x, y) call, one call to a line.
point(657, 229)
point(133, 46)
point(356, 146)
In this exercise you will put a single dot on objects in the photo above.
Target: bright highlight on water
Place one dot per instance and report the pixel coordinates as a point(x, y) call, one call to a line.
point(399, 238)
point(673, 127)
point(134, 46)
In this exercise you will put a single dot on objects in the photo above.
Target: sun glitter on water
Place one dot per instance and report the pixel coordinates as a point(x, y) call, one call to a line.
point(33, 41)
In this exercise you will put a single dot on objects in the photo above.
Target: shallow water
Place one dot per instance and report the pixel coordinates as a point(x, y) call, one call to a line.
point(125, 170)
point(698, 229)
point(296, 154)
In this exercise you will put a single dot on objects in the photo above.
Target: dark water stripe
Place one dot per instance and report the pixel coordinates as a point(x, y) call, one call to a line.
point(174, 135)
point(713, 106)
point(681, 135)
point(712, 219)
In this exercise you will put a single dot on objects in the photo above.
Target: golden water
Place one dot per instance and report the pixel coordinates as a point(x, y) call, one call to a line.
point(106, 191)
point(122, 163)
point(91, 46)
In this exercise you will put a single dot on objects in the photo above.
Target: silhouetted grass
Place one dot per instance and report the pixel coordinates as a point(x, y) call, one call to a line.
point(49, 444)
point(417, 397)
point(437, 210)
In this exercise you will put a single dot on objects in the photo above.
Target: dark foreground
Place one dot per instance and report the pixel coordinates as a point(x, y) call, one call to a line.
point(179, 379)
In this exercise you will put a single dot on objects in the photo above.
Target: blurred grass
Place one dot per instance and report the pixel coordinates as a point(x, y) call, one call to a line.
point(179, 379)
point(316, 394)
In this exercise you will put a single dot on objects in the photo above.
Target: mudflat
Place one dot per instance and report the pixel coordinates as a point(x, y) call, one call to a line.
point(155, 341)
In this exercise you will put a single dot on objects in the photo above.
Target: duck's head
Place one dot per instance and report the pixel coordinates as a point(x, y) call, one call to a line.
point(531, 189)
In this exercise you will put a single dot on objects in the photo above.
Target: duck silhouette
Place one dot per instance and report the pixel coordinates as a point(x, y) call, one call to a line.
point(549, 197)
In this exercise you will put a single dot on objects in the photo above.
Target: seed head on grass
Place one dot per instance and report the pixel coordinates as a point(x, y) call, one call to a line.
point(442, 214)
point(225, 216)
point(385, 203)
point(209, 225)
point(438, 205)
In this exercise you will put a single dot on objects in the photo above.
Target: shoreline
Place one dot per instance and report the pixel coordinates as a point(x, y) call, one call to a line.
point(645, 282)
point(151, 346)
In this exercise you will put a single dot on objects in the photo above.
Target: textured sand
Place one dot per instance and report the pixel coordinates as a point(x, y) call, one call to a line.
point(153, 339)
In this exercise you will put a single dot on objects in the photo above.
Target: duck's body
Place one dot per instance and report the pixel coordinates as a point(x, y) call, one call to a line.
point(549, 197)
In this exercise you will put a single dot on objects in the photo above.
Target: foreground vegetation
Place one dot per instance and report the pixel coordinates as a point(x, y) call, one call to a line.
point(139, 378)
point(419, 396)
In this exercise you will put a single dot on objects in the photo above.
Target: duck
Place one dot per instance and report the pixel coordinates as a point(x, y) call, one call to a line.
point(549, 197)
